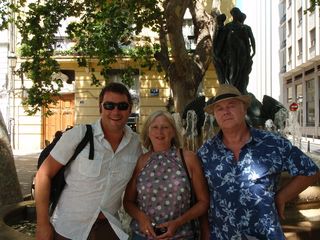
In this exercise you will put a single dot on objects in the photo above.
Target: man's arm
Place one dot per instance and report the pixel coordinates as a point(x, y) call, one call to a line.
point(204, 227)
point(46, 172)
point(292, 189)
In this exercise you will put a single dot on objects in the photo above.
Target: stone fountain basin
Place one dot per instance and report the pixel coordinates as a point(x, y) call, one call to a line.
point(298, 227)
point(303, 216)
point(12, 214)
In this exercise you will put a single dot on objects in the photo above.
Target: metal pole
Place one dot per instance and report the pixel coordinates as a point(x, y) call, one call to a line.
point(308, 148)
point(300, 143)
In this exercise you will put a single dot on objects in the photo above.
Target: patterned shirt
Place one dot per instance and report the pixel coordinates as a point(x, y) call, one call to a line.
point(242, 192)
point(164, 191)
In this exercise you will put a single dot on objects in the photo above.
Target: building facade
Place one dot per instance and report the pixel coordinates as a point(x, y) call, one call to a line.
point(263, 18)
point(4, 73)
point(78, 102)
point(300, 62)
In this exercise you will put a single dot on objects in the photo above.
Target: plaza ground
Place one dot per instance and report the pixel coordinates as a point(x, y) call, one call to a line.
point(26, 162)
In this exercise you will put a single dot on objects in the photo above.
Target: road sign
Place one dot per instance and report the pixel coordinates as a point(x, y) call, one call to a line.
point(293, 107)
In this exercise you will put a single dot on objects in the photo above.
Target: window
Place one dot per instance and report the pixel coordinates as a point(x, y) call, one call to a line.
point(289, 27)
point(299, 93)
point(283, 61)
point(289, 94)
point(299, 16)
point(300, 48)
point(312, 37)
point(188, 31)
point(298, 77)
point(310, 103)
point(289, 55)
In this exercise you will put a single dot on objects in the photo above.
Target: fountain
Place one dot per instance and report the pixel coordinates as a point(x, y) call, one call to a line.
point(303, 213)
point(207, 128)
point(191, 133)
point(292, 129)
point(17, 221)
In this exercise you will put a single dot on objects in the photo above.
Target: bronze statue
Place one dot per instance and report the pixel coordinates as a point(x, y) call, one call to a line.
point(233, 50)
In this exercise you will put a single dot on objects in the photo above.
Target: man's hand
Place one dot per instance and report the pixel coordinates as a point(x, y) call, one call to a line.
point(280, 204)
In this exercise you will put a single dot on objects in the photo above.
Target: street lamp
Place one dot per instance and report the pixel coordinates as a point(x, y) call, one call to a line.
point(300, 100)
point(12, 59)
point(191, 39)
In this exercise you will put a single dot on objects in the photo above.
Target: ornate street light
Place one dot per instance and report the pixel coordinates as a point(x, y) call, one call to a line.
point(12, 61)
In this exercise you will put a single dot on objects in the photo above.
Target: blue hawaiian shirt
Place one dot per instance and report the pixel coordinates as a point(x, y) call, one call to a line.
point(242, 193)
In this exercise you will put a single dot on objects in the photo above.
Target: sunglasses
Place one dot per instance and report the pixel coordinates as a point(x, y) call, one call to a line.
point(122, 106)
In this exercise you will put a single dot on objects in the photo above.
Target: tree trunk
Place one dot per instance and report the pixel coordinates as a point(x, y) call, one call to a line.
point(182, 93)
point(10, 191)
point(186, 70)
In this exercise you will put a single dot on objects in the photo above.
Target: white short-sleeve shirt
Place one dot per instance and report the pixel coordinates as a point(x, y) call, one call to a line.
point(92, 185)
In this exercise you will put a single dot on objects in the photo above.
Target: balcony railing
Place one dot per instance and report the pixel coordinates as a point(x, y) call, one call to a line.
point(63, 44)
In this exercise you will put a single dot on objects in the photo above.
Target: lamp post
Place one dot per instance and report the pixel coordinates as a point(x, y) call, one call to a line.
point(12, 63)
point(300, 101)
point(191, 39)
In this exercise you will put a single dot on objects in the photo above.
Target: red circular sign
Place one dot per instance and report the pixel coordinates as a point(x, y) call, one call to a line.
point(293, 107)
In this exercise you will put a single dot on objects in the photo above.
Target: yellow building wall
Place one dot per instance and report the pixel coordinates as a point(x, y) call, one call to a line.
point(24, 130)
point(148, 103)
point(86, 97)
point(28, 129)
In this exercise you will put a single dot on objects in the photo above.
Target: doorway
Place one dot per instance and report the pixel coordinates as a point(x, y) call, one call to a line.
point(62, 118)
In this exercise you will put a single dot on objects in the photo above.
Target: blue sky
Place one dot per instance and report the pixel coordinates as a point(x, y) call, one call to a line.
point(239, 4)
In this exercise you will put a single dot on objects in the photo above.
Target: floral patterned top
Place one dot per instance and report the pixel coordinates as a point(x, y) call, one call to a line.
point(242, 193)
point(164, 191)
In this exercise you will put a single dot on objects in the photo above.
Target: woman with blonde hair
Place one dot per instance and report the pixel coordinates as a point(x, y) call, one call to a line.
point(158, 196)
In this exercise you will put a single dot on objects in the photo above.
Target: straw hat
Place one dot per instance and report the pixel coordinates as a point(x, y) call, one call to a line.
point(227, 91)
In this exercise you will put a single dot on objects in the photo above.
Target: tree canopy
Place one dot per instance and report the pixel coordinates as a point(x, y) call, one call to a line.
point(313, 5)
point(105, 31)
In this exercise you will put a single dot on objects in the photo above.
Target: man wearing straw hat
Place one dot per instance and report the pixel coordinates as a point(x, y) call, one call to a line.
point(243, 166)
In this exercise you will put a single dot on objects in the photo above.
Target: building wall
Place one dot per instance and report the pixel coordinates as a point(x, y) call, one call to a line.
point(24, 130)
point(4, 71)
point(28, 131)
point(302, 63)
point(150, 101)
point(263, 18)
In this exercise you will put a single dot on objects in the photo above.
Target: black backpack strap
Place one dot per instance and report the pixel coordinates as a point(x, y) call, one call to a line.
point(58, 179)
point(194, 222)
point(185, 166)
point(88, 137)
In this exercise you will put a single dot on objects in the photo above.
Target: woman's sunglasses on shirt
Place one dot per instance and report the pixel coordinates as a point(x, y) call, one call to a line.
point(122, 106)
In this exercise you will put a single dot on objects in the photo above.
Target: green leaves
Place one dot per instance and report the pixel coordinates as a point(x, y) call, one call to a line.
point(103, 32)
point(4, 14)
point(313, 5)
point(38, 26)
point(144, 55)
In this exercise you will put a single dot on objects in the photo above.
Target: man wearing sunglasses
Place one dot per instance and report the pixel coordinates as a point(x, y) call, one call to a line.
point(88, 205)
